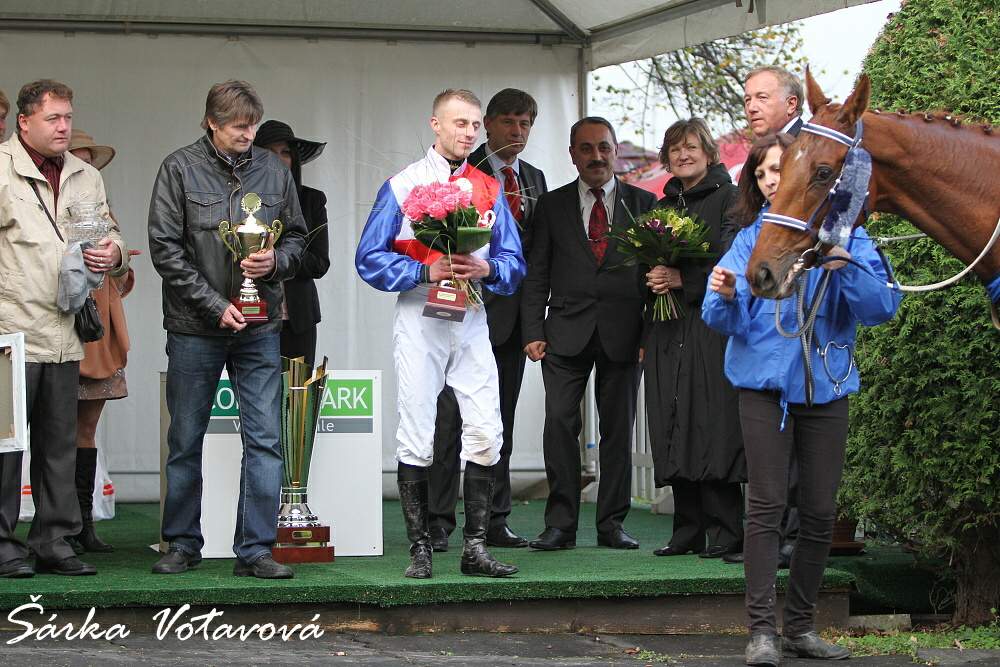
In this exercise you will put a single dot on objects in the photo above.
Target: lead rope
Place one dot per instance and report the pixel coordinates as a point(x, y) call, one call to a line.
point(806, 326)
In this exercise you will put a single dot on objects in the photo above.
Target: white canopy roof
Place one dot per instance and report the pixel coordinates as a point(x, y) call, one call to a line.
point(607, 32)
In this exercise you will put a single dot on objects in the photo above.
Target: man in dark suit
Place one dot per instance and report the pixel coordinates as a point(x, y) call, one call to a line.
point(594, 320)
point(509, 117)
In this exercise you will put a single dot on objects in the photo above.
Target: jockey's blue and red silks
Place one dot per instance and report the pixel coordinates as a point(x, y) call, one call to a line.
point(390, 259)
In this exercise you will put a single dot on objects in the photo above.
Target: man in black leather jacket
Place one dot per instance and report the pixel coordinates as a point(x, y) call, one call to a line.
point(198, 187)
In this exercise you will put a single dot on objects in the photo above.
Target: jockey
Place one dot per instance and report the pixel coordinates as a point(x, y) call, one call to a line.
point(430, 353)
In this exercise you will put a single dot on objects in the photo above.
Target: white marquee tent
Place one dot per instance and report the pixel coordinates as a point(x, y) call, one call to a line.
point(358, 74)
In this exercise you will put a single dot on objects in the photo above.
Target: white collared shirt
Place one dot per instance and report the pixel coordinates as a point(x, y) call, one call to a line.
point(587, 200)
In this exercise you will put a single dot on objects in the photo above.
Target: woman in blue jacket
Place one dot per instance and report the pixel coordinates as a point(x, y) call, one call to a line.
point(779, 419)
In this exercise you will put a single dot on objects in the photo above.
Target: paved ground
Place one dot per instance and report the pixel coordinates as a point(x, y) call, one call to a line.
point(444, 649)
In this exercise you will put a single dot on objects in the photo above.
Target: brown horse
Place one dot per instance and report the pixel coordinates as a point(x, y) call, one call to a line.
point(937, 172)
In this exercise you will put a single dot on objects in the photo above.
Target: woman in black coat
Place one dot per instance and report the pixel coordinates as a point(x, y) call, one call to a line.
point(692, 408)
point(298, 335)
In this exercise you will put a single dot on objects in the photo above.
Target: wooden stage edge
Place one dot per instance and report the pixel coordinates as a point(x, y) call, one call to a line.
point(672, 614)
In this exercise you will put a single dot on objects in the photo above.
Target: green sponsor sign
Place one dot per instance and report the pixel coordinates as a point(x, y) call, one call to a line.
point(347, 398)
point(225, 404)
point(342, 398)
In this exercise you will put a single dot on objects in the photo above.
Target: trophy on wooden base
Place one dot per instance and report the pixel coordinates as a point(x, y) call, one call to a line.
point(449, 299)
point(302, 537)
point(445, 302)
point(243, 240)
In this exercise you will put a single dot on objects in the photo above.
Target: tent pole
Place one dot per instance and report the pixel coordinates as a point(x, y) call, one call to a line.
point(582, 81)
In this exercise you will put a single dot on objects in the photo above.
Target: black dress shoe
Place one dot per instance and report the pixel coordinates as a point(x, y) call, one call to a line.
point(17, 568)
point(439, 539)
point(502, 536)
point(264, 567)
point(734, 558)
point(617, 539)
point(175, 562)
point(810, 645)
point(553, 539)
point(671, 550)
point(715, 551)
point(67, 567)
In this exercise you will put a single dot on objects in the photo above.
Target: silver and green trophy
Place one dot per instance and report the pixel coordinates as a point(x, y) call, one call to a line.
point(302, 537)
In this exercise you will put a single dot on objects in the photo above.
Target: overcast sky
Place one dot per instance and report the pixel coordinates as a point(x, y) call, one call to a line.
point(834, 44)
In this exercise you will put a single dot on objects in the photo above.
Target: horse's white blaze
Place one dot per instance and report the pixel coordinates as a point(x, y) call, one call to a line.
point(800, 154)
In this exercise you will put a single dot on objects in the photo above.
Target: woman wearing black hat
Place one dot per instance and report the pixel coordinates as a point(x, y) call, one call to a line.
point(298, 335)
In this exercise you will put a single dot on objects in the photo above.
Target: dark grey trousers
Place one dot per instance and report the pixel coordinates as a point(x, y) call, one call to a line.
point(818, 436)
point(617, 384)
point(51, 408)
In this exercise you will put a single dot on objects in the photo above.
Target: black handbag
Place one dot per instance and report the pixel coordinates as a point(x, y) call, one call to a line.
point(87, 321)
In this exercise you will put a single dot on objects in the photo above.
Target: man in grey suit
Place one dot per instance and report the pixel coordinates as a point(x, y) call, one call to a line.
point(594, 320)
point(510, 115)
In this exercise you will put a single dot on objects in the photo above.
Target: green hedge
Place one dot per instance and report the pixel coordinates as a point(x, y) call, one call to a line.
point(924, 450)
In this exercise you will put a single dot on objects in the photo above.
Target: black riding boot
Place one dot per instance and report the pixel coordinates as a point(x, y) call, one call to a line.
point(413, 492)
point(476, 560)
point(86, 471)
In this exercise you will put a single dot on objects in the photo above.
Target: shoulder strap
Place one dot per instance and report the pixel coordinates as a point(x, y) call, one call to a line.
point(45, 208)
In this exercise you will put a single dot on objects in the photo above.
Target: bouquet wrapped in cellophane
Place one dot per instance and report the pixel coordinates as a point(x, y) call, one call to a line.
point(444, 219)
point(662, 237)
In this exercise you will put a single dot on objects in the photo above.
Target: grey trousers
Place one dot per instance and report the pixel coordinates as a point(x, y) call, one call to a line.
point(51, 408)
point(818, 436)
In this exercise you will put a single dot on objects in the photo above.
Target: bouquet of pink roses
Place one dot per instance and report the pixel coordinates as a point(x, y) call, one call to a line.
point(662, 237)
point(443, 218)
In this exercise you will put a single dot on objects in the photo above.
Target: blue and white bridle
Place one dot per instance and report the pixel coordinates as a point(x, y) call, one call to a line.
point(848, 198)
point(848, 195)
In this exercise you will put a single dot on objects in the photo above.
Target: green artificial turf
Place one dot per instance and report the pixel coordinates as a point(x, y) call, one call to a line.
point(124, 577)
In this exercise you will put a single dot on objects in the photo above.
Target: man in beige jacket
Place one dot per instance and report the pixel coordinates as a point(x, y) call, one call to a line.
point(39, 182)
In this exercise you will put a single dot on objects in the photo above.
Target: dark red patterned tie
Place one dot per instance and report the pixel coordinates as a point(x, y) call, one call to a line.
point(513, 193)
point(597, 228)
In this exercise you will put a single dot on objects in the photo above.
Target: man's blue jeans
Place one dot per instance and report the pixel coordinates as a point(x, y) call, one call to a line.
point(194, 367)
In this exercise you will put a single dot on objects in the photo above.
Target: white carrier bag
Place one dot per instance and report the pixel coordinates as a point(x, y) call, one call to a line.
point(104, 491)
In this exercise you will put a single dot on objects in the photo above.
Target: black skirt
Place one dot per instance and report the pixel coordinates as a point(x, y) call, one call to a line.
point(692, 409)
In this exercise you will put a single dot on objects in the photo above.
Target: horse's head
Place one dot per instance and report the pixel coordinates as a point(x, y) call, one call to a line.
point(809, 170)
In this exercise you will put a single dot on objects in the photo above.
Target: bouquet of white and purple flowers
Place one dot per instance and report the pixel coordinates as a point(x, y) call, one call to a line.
point(662, 237)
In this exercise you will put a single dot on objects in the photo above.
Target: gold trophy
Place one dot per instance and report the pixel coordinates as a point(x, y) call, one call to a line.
point(244, 240)
point(302, 538)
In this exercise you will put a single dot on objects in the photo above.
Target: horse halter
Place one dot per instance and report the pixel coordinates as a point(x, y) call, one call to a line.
point(847, 197)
